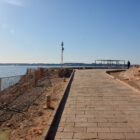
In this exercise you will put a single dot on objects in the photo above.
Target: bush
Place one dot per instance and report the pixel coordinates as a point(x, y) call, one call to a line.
point(64, 73)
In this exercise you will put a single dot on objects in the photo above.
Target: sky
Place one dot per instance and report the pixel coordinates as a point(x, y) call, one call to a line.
point(31, 31)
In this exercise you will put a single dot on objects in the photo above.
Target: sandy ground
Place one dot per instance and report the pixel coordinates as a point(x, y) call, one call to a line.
point(130, 76)
point(23, 112)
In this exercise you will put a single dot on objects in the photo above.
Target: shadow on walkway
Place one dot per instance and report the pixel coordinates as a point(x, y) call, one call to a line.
point(55, 124)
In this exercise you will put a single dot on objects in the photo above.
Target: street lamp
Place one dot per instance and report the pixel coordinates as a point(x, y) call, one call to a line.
point(62, 45)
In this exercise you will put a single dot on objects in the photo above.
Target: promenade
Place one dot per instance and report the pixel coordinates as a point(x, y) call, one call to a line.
point(99, 107)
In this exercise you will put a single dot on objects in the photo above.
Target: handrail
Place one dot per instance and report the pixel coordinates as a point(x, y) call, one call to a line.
point(11, 76)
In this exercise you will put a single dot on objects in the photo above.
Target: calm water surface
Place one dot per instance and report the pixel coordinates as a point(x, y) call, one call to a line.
point(6, 71)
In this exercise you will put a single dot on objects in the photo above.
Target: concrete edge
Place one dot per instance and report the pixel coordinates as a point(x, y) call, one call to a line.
point(122, 82)
point(51, 119)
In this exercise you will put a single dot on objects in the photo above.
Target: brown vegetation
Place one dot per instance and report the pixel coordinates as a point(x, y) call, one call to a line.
point(130, 76)
point(23, 112)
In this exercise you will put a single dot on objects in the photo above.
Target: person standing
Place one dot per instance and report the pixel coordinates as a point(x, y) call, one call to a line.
point(128, 64)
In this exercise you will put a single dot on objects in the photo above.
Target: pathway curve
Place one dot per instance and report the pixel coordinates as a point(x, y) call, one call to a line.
point(99, 107)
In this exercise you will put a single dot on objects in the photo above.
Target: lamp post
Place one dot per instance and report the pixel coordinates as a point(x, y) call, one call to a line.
point(62, 45)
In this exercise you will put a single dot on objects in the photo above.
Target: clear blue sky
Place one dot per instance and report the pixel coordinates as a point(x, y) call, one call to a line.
point(32, 30)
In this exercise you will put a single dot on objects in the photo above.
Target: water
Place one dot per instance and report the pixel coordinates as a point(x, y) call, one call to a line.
point(13, 70)
point(7, 71)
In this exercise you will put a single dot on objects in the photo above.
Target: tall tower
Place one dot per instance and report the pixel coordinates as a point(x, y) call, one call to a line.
point(62, 45)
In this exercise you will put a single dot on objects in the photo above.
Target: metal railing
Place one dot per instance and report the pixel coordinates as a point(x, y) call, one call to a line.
point(110, 63)
point(6, 82)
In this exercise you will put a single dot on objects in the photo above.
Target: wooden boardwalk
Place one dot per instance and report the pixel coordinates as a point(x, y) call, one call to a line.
point(99, 107)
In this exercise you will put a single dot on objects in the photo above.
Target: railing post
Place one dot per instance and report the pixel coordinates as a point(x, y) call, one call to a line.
point(29, 70)
point(0, 86)
point(35, 78)
point(48, 101)
point(41, 72)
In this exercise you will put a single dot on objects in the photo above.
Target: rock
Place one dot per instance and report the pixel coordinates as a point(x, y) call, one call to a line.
point(38, 132)
point(36, 104)
point(45, 107)
point(125, 78)
point(9, 125)
point(40, 113)
point(23, 126)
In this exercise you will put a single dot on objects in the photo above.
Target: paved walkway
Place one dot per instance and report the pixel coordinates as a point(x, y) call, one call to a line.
point(99, 107)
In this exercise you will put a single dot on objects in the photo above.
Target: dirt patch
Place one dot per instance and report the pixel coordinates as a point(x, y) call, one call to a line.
point(23, 113)
point(130, 76)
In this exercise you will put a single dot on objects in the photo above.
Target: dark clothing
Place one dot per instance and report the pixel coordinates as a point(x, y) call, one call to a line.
point(128, 64)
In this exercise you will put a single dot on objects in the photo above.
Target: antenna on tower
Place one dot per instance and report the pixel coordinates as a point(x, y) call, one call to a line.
point(62, 45)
